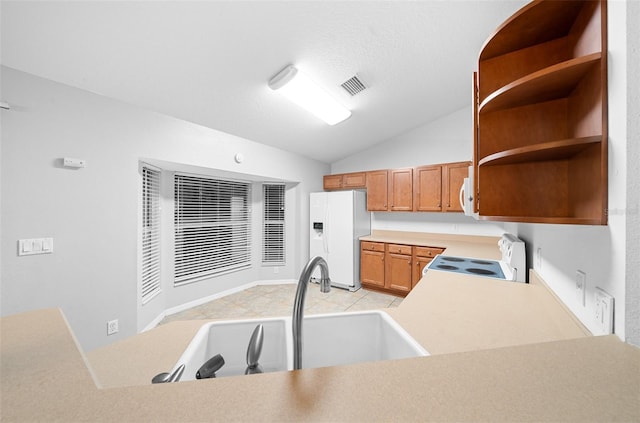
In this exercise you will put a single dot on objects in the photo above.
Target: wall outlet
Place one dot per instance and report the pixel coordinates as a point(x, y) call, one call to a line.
point(604, 311)
point(112, 327)
point(539, 259)
point(276, 269)
point(581, 286)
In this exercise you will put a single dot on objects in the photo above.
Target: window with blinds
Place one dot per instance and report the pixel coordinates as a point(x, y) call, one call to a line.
point(212, 227)
point(273, 225)
point(150, 233)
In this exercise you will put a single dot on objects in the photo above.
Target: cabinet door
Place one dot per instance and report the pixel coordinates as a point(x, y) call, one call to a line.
point(401, 189)
point(354, 180)
point(372, 267)
point(398, 272)
point(427, 188)
point(377, 190)
point(453, 175)
point(330, 182)
point(418, 264)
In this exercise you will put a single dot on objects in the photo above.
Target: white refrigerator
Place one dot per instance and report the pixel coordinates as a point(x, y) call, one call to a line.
point(337, 220)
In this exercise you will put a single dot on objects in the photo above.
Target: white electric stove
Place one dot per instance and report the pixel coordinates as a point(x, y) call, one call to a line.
point(512, 266)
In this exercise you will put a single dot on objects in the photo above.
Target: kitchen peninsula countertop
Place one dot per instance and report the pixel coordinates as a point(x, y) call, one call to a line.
point(501, 352)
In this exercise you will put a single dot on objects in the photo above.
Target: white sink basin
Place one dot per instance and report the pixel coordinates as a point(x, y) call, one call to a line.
point(230, 339)
point(328, 340)
point(348, 338)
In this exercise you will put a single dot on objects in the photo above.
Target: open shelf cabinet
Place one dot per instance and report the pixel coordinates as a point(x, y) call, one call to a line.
point(540, 104)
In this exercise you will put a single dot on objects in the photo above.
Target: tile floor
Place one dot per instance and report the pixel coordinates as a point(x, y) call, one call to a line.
point(277, 300)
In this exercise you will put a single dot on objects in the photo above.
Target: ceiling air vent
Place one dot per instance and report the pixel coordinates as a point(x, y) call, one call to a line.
point(353, 85)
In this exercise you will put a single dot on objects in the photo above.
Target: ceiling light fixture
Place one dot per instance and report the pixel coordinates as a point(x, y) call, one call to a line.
point(297, 87)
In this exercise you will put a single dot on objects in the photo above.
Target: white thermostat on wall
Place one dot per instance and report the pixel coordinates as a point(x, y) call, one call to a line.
point(74, 163)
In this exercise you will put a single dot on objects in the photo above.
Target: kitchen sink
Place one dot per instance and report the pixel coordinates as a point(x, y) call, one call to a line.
point(230, 339)
point(328, 340)
point(348, 338)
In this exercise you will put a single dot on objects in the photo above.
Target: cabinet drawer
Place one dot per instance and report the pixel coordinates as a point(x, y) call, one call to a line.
point(372, 246)
point(399, 249)
point(427, 251)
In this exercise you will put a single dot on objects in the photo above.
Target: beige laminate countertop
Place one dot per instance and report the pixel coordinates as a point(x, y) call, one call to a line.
point(501, 352)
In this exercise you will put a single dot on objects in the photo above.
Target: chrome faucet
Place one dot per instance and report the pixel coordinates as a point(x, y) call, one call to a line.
point(298, 305)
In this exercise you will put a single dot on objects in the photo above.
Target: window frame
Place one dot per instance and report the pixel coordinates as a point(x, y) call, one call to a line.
point(212, 228)
point(151, 234)
point(273, 196)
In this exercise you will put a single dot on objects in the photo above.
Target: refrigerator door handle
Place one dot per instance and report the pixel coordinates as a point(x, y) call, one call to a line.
point(325, 233)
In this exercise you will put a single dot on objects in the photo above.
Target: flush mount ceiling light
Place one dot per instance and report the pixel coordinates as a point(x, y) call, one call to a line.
point(298, 88)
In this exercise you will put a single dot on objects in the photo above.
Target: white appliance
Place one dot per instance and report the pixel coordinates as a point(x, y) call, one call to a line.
point(512, 266)
point(467, 199)
point(338, 219)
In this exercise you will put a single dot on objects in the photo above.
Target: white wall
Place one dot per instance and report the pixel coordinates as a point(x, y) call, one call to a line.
point(607, 254)
point(448, 139)
point(93, 213)
point(633, 174)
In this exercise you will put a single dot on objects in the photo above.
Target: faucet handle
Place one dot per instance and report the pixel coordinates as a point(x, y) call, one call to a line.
point(255, 346)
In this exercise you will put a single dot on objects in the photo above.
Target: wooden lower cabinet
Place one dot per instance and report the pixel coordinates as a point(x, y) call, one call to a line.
point(393, 268)
point(397, 270)
point(372, 264)
point(421, 257)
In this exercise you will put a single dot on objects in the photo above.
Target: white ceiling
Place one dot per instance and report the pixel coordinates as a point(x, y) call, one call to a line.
point(209, 62)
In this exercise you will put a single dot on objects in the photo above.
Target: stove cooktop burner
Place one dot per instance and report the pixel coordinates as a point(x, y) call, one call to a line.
point(467, 266)
point(447, 267)
point(481, 271)
point(482, 262)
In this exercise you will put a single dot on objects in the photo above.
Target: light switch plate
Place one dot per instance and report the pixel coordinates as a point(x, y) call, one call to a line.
point(604, 311)
point(33, 246)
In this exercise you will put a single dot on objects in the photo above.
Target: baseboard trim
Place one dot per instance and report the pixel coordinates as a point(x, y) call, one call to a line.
point(216, 296)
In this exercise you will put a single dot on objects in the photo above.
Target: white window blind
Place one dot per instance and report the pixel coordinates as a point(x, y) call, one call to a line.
point(273, 225)
point(150, 233)
point(212, 227)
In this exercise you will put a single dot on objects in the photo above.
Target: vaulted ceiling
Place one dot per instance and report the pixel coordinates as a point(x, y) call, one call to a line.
point(209, 62)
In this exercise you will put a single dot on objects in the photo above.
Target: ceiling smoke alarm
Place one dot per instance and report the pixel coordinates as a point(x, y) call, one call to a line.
point(353, 85)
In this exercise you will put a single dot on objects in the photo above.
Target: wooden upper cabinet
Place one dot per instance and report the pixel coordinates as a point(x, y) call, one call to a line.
point(377, 190)
point(401, 189)
point(330, 182)
point(541, 120)
point(355, 180)
point(453, 177)
point(427, 188)
point(432, 188)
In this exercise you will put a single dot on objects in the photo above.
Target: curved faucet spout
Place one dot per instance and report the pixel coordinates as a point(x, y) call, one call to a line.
point(298, 305)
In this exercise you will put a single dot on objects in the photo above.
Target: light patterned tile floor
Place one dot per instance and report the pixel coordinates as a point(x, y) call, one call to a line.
point(277, 300)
